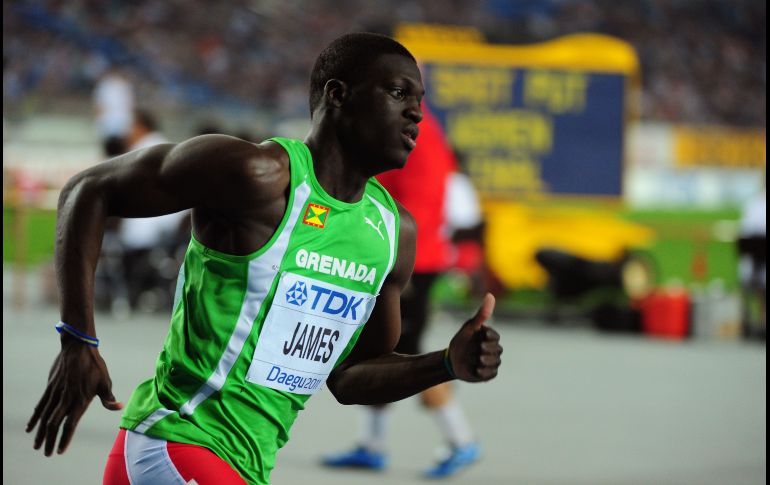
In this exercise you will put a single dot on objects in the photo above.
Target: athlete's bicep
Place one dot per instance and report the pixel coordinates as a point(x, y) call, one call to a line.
point(208, 171)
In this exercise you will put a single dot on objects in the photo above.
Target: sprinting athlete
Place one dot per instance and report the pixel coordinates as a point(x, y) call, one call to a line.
point(292, 281)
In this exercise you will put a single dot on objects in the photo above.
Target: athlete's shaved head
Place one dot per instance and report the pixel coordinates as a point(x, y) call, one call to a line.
point(348, 58)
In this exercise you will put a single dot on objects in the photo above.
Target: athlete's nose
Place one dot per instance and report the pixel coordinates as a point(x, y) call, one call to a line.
point(414, 112)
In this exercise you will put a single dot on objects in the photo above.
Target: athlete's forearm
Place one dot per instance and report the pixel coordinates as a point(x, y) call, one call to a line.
point(388, 378)
point(79, 230)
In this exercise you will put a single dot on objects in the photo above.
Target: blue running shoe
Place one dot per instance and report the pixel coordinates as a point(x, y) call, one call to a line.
point(458, 459)
point(358, 458)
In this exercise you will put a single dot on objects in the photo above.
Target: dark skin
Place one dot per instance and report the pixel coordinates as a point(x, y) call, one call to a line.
point(238, 192)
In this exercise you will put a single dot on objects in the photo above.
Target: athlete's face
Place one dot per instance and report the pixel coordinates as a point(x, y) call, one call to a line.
point(382, 112)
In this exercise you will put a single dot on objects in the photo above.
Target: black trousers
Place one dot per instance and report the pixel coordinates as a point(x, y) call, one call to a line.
point(414, 312)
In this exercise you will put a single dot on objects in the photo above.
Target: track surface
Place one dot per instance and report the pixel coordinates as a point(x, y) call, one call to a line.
point(570, 406)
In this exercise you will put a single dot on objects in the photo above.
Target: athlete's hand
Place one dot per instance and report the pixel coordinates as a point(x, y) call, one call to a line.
point(475, 349)
point(77, 375)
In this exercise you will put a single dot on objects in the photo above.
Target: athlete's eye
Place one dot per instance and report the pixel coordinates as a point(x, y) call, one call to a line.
point(398, 93)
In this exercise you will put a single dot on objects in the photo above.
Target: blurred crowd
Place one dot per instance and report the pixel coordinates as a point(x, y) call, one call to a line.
point(703, 61)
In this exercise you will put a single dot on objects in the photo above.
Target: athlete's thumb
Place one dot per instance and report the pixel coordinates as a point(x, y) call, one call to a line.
point(482, 315)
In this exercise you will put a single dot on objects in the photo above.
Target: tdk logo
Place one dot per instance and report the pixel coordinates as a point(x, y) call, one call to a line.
point(324, 300)
point(297, 294)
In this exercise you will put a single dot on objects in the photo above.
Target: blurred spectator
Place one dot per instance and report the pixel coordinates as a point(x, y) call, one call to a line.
point(114, 105)
point(144, 131)
point(114, 146)
point(110, 291)
point(151, 245)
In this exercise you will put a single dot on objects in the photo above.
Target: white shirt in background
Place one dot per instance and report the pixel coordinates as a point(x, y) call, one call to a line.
point(114, 102)
point(461, 204)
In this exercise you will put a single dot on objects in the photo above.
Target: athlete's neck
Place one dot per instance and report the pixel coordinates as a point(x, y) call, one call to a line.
point(340, 175)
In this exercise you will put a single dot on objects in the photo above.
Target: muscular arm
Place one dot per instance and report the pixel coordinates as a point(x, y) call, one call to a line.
point(374, 374)
point(212, 173)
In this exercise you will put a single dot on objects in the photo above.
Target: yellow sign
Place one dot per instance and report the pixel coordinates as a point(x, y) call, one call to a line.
point(716, 146)
point(533, 121)
point(578, 52)
point(415, 32)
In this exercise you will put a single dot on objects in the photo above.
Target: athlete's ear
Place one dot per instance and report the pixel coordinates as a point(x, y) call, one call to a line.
point(335, 92)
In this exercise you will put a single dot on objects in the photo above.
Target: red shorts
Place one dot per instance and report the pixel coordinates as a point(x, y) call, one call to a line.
point(137, 459)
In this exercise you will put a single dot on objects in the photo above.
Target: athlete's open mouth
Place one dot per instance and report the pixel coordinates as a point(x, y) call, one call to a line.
point(410, 136)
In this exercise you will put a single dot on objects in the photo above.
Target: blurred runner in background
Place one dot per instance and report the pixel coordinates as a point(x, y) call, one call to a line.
point(422, 188)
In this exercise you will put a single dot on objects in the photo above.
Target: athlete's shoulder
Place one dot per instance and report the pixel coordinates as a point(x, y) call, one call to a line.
point(269, 167)
point(228, 152)
point(261, 168)
point(408, 225)
point(271, 156)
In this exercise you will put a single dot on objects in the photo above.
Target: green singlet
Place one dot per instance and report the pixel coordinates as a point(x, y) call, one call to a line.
point(253, 337)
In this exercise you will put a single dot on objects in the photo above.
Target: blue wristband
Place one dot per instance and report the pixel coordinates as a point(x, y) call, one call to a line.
point(92, 341)
point(448, 364)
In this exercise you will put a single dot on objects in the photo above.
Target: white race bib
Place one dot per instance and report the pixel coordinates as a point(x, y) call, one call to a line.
point(308, 326)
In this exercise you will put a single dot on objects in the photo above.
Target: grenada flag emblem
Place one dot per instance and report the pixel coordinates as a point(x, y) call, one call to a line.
point(316, 215)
